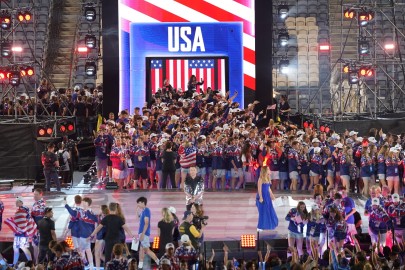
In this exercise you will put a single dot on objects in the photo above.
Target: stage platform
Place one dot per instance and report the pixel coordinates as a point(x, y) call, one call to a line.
point(231, 214)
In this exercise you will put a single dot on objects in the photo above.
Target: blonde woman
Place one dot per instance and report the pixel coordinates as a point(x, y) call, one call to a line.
point(381, 167)
point(346, 161)
point(267, 215)
point(392, 163)
point(165, 230)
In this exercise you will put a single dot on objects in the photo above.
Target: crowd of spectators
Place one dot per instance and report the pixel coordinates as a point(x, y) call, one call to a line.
point(83, 102)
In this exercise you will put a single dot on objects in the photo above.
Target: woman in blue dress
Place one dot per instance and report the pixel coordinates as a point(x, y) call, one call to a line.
point(267, 215)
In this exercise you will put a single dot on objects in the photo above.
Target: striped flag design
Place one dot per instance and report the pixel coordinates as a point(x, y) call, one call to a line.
point(179, 71)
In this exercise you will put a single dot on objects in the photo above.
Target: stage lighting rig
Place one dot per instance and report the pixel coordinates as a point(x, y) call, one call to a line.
point(283, 38)
point(366, 71)
point(283, 11)
point(90, 68)
point(90, 41)
point(14, 78)
point(349, 13)
point(364, 47)
point(6, 49)
point(24, 16)
point(353, 77)
point(283, 66)
point(364, 17)
point(90, 13)
point(5, 22)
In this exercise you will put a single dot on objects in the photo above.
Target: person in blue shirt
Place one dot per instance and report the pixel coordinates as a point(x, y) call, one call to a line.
point(316, 168)
point(293, 164)
point(315, 225)
point(381, 156)
point(144, 232)
point(297, 218)
point(350, 209)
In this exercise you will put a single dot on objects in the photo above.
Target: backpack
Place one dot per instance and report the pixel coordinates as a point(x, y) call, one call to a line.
point(61, 159)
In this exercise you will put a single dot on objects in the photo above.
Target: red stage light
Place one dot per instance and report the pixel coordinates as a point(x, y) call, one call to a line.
point(41, 132)
point(62, 128)
point(322, 128)
point(49, 131)
point(306, 124)
point(327, 129)
point(71, 127)
point(23, 72)
point(3, 75)
point(324, 47)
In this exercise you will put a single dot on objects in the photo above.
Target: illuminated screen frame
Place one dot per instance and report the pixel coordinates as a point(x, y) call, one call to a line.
point(148, 68)
point(213, 11)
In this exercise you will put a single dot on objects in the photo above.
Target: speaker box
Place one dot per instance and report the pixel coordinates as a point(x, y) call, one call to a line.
point(111, 185)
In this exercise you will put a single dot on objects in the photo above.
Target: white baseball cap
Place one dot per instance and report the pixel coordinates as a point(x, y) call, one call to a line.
point(395, 197)
point(315, 140)
point(317, 150)
point(352, 133)
point(172, 209)
point(372, 140)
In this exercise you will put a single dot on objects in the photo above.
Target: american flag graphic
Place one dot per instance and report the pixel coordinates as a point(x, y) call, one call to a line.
point(22, 222)
point(179, 71)
point(198, 11)
point(188, 156)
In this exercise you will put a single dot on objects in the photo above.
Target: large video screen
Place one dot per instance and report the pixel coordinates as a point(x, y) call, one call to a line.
point(175, 33)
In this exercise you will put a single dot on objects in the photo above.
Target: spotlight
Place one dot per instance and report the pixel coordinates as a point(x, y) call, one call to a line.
point(49, 131)
point(283, 66)
point(90, 13)
point(283, 11)
point(346, 68)
point(90, 68)
point(389, 46)
point(283, 38)
point(14, 78)
point(17, 49)
point(5, 23)
point(41, 131)
point(90, 41)
point(365, 17)
point(349, 13)
point(24, 16)
point(366, 71)
point(23, 73)
point(27, 16)
point(353, 78)
point(3, 74)
point(62, 127)
point(324, 47)
point(247, 241)
point(6, 49)
point(364, 47)
point(156, 243)
point(70, 126)
point(82, 49)
point(30, 71)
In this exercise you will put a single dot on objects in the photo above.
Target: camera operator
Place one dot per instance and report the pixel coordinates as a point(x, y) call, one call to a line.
point(50, 163)
point(71, 146)
point(190, 229)
point(194, 188)
point(64, 161)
